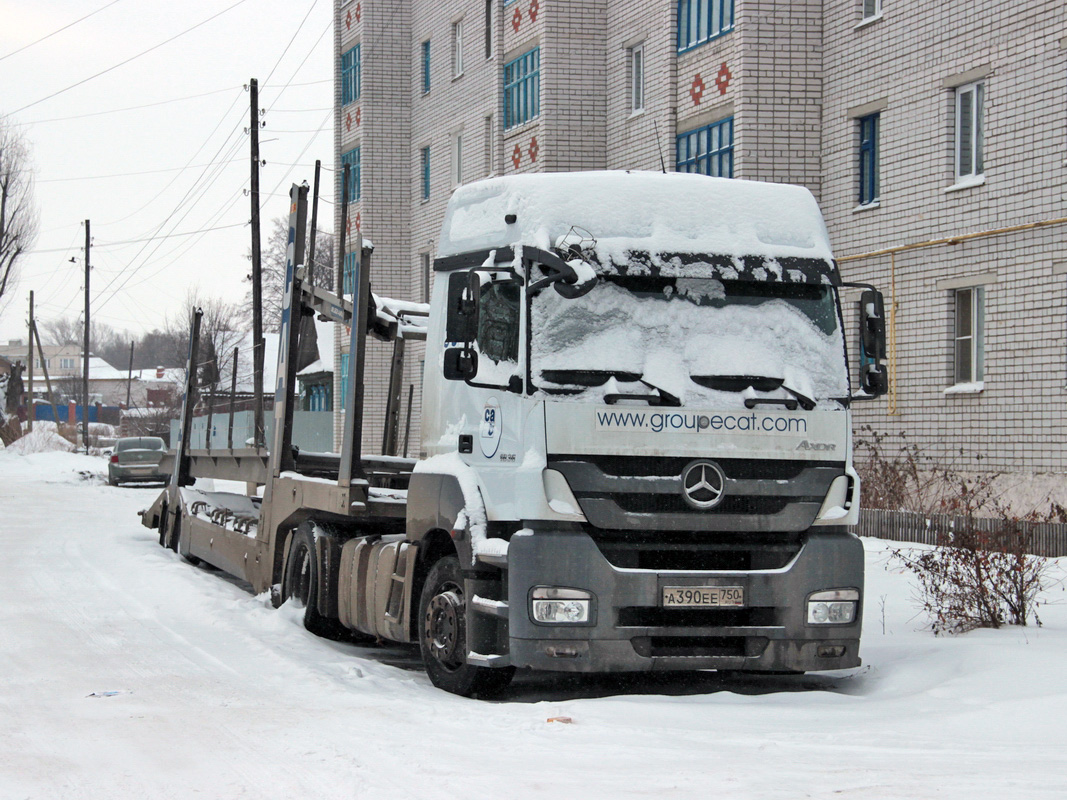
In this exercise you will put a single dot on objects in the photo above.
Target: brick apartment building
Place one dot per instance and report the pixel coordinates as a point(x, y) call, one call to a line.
point(915, 124)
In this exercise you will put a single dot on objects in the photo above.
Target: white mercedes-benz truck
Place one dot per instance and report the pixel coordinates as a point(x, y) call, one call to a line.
point(636, 443)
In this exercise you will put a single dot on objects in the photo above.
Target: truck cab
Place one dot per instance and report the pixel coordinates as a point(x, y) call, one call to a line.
point(636, 417)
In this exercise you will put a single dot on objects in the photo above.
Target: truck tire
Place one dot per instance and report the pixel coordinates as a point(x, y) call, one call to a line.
point(300, 583)
point(443, 636)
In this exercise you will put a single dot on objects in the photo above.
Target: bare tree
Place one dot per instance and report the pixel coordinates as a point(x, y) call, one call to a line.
point(18, 214)
point(221, 329)
point(274, 258)
point(104, 341)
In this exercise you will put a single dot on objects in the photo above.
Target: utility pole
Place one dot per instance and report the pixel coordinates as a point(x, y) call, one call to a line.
point(257, 269)
point(47, 380)
point(314, 226)
point(29, 372)
point(85, 349)
point(129, 378)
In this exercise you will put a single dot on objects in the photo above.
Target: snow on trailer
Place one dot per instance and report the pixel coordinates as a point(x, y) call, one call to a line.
point(636, 433)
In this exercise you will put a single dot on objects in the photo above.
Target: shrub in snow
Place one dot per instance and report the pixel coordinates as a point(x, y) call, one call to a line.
point(980, 573)
point(978, 578)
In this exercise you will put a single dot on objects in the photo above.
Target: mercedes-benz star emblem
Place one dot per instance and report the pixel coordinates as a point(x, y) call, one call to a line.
point(703, 484)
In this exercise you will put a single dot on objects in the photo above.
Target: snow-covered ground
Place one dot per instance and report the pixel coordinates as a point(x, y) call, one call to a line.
point(126, 673)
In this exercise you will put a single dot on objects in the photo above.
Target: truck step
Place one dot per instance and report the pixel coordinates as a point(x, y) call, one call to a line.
point(480, 660)
point(492, 608)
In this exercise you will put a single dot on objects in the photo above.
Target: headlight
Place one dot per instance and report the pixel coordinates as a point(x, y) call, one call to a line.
point(833, 607)
point(552, 605)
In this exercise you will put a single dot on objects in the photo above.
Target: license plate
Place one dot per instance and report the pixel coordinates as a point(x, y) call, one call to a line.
point(703, 596)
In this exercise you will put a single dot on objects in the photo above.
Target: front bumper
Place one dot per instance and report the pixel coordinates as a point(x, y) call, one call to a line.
point(630, 631)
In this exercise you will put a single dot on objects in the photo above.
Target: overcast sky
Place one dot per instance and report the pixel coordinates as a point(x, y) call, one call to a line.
point(157, 146)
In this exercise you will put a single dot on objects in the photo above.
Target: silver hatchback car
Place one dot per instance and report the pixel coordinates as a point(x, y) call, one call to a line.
point(136, 458)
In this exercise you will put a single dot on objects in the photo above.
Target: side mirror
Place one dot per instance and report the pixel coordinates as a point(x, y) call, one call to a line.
point(461, 363)
point(875, 380)
point(872, 332)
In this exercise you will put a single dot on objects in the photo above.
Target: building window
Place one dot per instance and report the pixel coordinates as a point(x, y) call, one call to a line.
point(872, 9)
point(349, 277)
point(637, 78)
point(426, 66)
point(424, 259)
point(457, 159)
point(701, 21)
point(67, 363)
point(457, 48)
point(708, 150)
point(344, 379)
point(355, 188)
point(490, 146)
point(969, 124)
point(522, 88)
point(488, 28)
point(970, 335)
point(425, 172)
point(869, 129)
point(351, 76)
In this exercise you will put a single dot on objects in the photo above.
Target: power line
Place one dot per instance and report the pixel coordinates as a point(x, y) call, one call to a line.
point(133, 174)
point(131, 108)
point(131, 58)
point(58, 30)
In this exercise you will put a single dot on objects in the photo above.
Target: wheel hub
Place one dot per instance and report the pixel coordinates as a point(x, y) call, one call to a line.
point(443, 627)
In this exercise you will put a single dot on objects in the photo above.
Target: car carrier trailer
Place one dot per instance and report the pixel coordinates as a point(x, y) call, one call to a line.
point(636, 441)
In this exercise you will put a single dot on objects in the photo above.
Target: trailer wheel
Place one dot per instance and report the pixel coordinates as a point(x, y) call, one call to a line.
point(443, 636)
point(300, 583)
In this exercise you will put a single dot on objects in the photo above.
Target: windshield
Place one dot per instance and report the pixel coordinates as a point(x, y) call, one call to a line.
point(700, 339)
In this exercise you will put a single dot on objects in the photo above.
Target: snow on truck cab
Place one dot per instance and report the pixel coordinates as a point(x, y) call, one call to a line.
point(637, 441)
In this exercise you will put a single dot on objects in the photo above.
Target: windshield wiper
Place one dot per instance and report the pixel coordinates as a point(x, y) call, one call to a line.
point(738, 383)
point(587, 377)
point(661, 398)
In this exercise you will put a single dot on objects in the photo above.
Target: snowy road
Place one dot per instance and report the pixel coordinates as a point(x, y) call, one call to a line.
point(126, 673)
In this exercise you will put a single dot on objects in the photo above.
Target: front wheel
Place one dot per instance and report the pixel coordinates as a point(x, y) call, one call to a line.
point(443, 636)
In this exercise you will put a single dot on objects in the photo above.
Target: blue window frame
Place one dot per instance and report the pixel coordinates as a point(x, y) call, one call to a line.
point(522, 88)
point(348, 275)
point(355, 182)
point(426, 66)
point(700, 21)
point(868, 159)
point(344, 379)
point(424, 168)
point(708, 150)
point(351, 76)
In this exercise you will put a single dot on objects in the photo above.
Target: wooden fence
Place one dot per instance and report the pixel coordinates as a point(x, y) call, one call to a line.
point(1045, 538)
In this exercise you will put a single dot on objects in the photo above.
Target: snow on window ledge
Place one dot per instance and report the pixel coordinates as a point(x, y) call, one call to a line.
point(868, 206)
point(863, 23)
point(975, 387)
point(966, 183)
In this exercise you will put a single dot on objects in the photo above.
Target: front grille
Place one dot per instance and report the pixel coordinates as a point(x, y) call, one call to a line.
point(698, 550)
point(735, 468)
point(698, 646)
point(653, 617)
point(674, 504)
point(637, 493)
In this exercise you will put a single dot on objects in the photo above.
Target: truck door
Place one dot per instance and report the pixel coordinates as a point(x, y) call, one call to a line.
point(486, 352)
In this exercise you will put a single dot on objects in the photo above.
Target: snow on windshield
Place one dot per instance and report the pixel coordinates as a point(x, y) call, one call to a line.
point(667, 338)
